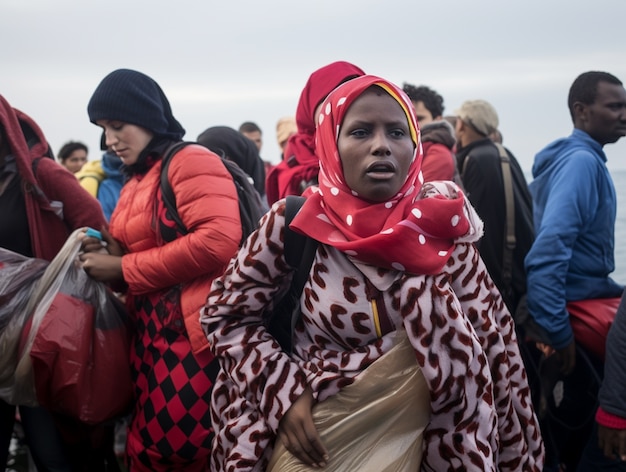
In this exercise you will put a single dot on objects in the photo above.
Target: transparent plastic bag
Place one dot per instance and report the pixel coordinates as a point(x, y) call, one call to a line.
point(19, 276)
point(74, 349)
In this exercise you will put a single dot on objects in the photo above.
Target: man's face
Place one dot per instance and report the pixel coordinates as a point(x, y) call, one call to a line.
point(255, 137)
point(423, 114)
point(605, 119)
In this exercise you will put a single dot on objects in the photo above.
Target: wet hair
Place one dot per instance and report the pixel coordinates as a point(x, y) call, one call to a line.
point(68, 148)
point(249, 127)
point(585, 88)
point(431, 99)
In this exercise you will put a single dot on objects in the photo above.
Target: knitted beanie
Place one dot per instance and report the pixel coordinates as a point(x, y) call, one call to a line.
point(132, 97)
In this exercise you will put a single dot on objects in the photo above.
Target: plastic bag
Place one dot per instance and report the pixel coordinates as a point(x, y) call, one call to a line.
point(19, 276)
point(74, 350)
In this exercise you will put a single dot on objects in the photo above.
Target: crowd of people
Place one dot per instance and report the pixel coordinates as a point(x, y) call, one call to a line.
point(450, 320)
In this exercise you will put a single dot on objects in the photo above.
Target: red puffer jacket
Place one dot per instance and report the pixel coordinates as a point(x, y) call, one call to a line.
point(207, 203)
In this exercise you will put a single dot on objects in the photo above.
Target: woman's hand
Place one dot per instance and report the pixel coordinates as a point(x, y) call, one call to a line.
point(102, 259)
point(299, 435)
point(108, 243)
point(102, 267)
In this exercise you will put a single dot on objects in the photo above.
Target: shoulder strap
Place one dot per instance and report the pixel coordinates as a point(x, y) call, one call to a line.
point(464, 165)
point(169, 199)
point(509, 236)
point(299, 249)
point(299, 253)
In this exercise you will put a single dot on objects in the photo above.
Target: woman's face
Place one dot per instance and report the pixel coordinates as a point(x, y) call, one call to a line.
point(375, 146)
point(125, 139)
point(75, 161)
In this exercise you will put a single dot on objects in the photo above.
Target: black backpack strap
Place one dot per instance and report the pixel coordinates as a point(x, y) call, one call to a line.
point(300, 252)
point(509, 235)
point(167, 193)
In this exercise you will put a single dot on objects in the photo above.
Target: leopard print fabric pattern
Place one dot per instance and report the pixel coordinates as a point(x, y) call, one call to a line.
point(482, 417)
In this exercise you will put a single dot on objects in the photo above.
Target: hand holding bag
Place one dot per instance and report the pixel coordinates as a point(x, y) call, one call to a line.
point(75, 351)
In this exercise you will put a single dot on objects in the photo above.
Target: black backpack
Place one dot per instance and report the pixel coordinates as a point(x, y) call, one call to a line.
point(251, 207)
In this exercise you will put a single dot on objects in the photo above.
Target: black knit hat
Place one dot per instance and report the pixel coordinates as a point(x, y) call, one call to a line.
point(132, 97)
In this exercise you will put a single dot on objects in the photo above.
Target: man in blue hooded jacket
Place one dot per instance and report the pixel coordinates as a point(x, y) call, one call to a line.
point(574, 213)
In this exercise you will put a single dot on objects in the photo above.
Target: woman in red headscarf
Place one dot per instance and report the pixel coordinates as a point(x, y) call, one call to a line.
point(405, 356)
point(300, 166)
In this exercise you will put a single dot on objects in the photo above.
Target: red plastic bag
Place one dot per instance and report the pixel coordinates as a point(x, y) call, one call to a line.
point(591, 321)
point(76, 347)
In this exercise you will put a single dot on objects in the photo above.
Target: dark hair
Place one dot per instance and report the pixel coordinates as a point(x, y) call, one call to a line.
point(249, 127)
point(585, 88)
point(68, 148)
point(431, 99)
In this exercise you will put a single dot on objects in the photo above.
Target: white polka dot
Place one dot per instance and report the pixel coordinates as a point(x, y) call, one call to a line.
point(422, 239)
point(349, 220)
point(455, 220)
point(334, 191)
point(421, 177)
point(323, 217)
point(410, 190)
point(397, 266)
point(350, 252)
point(336, 236)
point(320, 119)
point(388, 205)
point(341, 101)
point(387, 231)
point(416, 213)
point(327, 109)
point(443, 253)
point(355, 193)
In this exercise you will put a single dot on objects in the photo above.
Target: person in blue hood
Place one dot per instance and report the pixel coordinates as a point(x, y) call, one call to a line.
point(574, 205)
point(103, 179)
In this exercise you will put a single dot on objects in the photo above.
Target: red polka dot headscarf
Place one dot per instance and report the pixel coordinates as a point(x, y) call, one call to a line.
point(414, 231)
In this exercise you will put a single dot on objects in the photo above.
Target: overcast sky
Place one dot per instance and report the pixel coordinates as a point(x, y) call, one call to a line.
point(222, 63)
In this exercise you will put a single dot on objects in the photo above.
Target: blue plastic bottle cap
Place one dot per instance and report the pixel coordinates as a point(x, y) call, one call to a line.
point(93, 233)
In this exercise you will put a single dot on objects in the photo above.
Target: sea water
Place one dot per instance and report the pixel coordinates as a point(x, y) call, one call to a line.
point(619, 179)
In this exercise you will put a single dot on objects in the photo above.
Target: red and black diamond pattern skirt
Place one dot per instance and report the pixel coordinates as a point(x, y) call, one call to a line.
point(171, 426)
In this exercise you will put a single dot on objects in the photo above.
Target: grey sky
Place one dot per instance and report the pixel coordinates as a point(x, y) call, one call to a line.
point(222, 63)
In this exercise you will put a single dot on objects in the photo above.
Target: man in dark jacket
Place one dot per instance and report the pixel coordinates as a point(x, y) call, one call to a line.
point(480, 164)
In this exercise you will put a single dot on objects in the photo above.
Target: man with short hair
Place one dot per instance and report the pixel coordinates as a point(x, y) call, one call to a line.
point(252, 131)
point(575, 208)
point(480, 162)
point(436, 133)
point(573, 253)
point(428, 103)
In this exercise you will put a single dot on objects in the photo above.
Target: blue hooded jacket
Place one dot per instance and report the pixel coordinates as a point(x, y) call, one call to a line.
point(574, 206)
point(109, 189)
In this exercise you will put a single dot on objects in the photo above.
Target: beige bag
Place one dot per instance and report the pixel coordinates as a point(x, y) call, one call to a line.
point(376, 424)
